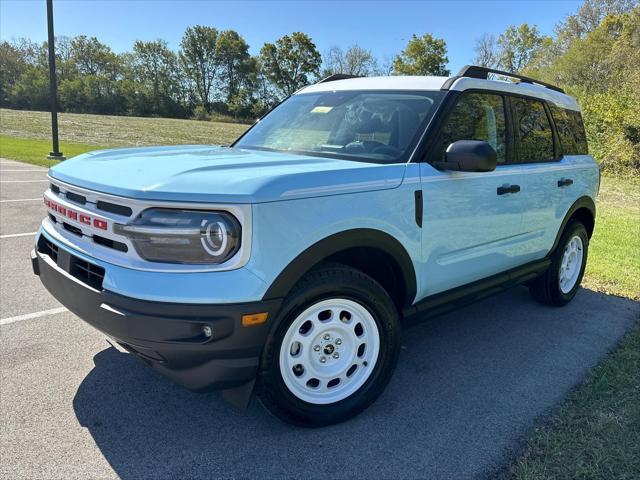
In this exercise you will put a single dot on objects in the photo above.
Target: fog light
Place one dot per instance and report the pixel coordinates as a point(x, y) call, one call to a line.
point(208, 332)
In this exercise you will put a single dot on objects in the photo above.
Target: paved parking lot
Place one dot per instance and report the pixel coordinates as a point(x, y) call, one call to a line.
point(468, 390)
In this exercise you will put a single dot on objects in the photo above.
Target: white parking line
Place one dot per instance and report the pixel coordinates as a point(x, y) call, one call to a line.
point(29, 316)
point(23, 181)
point(39, 199)
point(23, 170)
point(14, 235)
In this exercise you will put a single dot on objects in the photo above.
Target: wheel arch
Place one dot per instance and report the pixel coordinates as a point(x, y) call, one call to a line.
point(374, 252)
point(583, 209)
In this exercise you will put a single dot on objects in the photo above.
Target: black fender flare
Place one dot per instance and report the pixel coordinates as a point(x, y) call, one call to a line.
point(355, 238)
point(583, 202)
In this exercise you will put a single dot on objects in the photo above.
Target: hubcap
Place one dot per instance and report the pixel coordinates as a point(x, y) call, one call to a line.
point(329, 351)
point(571, 264)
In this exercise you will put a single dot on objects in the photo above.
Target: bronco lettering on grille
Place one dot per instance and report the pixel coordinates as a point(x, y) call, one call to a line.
point(77, 216)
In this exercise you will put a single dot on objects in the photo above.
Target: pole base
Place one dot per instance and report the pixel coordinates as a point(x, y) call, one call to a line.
point(56, 156)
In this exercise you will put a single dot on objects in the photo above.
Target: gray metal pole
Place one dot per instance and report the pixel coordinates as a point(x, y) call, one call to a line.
point(56, 154)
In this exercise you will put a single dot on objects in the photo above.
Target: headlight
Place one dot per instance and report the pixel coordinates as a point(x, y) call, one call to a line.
point(183, 236)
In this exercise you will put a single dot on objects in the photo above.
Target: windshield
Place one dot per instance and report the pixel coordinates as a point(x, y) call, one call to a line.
point(373, 126)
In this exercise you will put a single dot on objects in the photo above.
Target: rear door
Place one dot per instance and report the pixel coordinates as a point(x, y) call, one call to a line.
point(472, 222)
point(548, 175)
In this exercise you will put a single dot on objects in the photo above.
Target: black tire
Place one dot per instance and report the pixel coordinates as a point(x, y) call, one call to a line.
point(329, 281)
point(546, 289)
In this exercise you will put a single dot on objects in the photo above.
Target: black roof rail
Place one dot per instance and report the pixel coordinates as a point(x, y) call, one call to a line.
point(338, 76)
point(475, 71)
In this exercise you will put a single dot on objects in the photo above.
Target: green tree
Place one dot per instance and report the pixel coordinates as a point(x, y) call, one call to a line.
point(155, 70)
point(199, 61)
point(517, 46)
point(31, 91)
point(91, 57)
point(12, 66)
point(236, 65)
point(291, 63)
point(424, 55)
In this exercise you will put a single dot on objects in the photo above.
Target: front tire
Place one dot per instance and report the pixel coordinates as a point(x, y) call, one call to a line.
point(333, 350)
point(560, 283)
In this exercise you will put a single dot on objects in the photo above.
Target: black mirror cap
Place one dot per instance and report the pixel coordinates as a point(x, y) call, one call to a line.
point(469, 156)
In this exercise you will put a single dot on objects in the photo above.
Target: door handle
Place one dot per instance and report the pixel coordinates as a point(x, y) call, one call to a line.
point(508, 189)
point(565, 182)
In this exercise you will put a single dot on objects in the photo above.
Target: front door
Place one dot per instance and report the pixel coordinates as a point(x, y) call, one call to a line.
point(472, 223)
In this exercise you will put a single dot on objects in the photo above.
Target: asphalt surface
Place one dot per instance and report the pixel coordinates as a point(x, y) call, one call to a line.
point(469, 388)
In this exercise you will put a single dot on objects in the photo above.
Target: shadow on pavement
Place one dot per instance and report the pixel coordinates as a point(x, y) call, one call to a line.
point(469, 387)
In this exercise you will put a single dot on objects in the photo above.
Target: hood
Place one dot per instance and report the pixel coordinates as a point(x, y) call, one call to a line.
point(213, 174)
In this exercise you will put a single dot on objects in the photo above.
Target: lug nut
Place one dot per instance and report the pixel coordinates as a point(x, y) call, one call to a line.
point(323, 359)
point(316, 348)
point(338, 341)
point(336, 355)
point(327, 336)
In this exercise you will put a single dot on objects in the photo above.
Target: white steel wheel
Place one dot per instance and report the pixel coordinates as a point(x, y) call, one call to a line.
point(571, 264)
point(329, 351)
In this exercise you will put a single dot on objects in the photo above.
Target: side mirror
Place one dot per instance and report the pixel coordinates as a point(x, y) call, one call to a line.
point(469, 156)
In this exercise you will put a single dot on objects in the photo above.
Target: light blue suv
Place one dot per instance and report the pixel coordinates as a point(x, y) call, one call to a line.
point(289, 262)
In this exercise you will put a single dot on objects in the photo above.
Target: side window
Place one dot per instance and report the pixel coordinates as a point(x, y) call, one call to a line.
point(570, 130)
point(476, 116)
point(577, 127)
point(533, 130)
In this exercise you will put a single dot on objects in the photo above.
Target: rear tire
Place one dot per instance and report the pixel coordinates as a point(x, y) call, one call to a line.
point(560, 283)
point(333, 349)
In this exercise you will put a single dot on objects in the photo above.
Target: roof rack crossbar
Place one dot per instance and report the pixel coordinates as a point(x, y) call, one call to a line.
point(475, 71)
point(337, 76)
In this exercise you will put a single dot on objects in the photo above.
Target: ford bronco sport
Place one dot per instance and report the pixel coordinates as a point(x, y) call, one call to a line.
point(288, 262)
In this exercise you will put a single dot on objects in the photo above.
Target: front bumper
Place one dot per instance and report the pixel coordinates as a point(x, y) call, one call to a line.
point(167, 336)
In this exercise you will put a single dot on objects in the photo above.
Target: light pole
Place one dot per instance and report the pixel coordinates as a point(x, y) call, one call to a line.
point(55, 154)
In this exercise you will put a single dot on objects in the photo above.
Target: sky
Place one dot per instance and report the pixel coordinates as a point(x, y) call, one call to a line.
point(384, 27)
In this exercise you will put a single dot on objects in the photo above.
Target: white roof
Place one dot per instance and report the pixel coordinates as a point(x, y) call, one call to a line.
point(378, 83)
point(435, 83)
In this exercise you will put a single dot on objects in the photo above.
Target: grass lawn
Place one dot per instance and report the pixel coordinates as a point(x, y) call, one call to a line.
point(116, 131)
point(35, 150)
point(596, 434)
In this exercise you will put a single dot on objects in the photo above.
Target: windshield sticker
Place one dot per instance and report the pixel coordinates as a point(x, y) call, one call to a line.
point(321, 109)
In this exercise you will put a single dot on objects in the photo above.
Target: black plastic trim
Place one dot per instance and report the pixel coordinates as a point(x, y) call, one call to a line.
point(361, 237)
point(419, 207)
point(169, 336)
point(461, 296)
point(338, 76)
point(582, 202)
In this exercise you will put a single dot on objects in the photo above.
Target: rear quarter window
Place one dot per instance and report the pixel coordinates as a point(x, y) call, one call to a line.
point(573, 139)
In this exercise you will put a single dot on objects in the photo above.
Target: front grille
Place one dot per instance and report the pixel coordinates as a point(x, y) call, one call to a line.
point(54, 188)
point(74, 197)
point(72, 229)
point(86, 272)
point(107, 242)
point(114, 208)
point(47, 248)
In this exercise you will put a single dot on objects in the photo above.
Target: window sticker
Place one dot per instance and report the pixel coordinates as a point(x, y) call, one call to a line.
point(321, 109)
